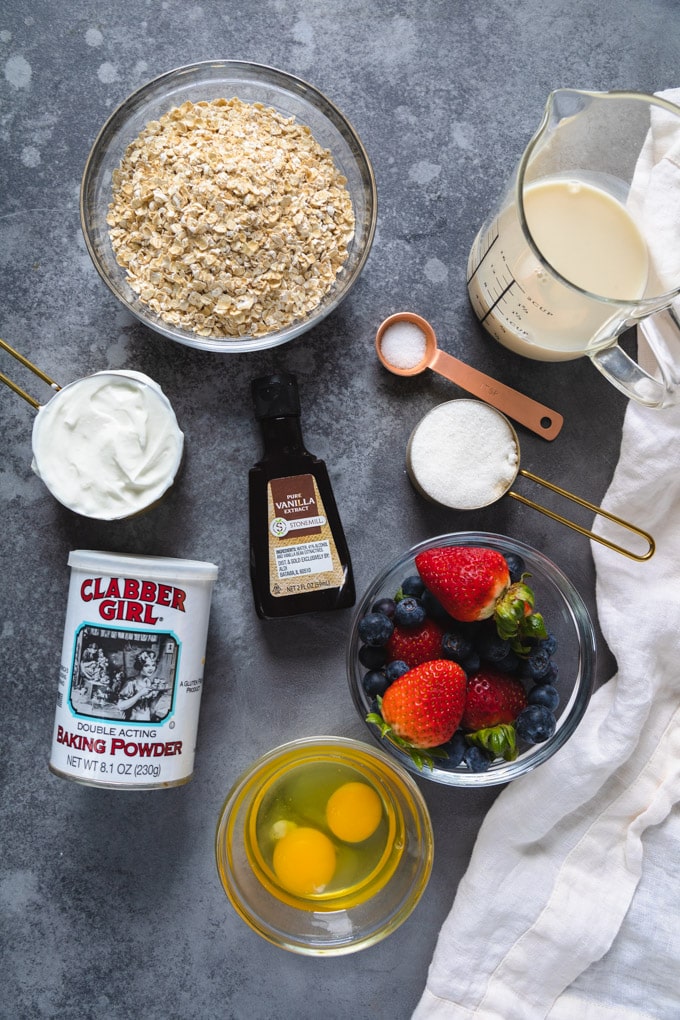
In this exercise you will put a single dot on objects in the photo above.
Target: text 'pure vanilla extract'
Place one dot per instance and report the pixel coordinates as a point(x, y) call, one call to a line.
point(299, 560)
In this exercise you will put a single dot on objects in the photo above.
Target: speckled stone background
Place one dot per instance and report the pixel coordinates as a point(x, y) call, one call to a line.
point(109, 902)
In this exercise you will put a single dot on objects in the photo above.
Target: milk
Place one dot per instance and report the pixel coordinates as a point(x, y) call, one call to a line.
point(586, 236)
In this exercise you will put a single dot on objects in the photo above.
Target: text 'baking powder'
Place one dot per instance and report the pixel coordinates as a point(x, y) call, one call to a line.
point(131, 673)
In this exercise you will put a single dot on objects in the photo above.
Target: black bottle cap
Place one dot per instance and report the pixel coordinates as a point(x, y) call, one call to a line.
point(275, 396)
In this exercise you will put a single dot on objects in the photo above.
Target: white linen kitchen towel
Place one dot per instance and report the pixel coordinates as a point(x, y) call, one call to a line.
point(570, 906)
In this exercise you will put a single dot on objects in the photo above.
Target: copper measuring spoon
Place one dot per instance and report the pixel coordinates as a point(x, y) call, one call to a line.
point(444, 469)
point(535, 416)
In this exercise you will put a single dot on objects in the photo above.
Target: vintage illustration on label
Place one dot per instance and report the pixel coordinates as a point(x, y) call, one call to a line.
point(123, 674)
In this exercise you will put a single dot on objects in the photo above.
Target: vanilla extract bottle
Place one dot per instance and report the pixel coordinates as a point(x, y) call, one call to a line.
point(299, 560)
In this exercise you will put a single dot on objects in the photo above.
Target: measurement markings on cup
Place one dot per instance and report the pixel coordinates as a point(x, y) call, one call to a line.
point(505, 284)
point(488, 249)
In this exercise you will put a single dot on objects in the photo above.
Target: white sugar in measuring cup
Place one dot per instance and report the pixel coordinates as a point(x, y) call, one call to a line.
point(107, 446)
point(406, 345)
point(465, 455)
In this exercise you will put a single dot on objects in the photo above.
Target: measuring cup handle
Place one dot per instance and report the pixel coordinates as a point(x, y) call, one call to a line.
point(662, 332)
point(33, 368)
point(647, 539)
point(535, 416)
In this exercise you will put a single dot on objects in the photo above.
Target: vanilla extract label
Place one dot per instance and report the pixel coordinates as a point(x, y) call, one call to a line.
point(302, 552)
point(295, 504)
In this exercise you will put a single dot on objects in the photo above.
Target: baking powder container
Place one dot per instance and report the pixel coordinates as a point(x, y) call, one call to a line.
point(131, 671)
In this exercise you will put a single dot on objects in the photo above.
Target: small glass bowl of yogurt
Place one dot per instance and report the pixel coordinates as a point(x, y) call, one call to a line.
point(108, 446)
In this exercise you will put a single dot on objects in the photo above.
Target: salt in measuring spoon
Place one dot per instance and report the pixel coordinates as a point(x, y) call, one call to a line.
point(465, 455)
point(533, 415)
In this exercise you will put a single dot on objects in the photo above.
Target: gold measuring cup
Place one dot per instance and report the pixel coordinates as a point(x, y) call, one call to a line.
point(33, 368)
point(533, 415)
point(441, 479)
point(79, 469)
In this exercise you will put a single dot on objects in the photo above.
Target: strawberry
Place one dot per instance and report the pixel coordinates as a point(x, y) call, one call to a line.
point(473, 583)
point(492, 698)
point(414, 645)
point(467, 580)
point(423, 708)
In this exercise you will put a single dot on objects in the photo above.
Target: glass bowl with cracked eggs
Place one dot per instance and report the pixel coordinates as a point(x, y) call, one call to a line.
point(569, 666)
point(228, 205)
point(324, 846)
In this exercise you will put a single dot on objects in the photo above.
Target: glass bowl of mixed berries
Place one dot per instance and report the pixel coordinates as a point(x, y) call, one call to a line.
point(471, 659)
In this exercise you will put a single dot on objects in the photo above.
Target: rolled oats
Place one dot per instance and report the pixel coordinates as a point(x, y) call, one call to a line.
point(229, 218)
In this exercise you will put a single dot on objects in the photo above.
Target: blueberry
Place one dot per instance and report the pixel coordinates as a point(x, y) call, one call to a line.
point(491, 646)
point(413, 585)
point(546, 695)
point(434, 608)
point(509, 664)
point(455, 750)
point(535, 724)
point(549, 643)
point(550, 676)
point(456, 646)
point(372, 656)
point(386, 606)
point(393, 670)
point(375, 682)
point(524, 670)
point(471, 664)
point(375, 629)
point(476, 760)
point(538, 662)
point(409, 612)
point(516, 566)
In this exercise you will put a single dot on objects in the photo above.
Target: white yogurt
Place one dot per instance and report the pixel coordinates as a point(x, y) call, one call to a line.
point(108, 446)
point(463, 454)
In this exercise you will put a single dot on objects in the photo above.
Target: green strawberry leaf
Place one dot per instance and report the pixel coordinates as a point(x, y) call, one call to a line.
point(515, 619)
point(500, 740)
point(377, 720)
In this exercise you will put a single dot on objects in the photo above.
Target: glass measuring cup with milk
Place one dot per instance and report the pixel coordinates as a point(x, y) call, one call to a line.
point(579, 247)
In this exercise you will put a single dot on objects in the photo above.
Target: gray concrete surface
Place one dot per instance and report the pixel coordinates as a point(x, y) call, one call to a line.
point(110, 904)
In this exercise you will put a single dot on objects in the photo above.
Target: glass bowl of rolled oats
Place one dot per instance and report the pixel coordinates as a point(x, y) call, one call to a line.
point(228, 205)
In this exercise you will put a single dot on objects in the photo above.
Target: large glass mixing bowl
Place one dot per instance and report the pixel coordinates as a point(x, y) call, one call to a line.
point(251, 83)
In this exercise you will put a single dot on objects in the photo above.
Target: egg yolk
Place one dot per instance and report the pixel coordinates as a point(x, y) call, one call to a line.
point(353, 812)
point(304, 861)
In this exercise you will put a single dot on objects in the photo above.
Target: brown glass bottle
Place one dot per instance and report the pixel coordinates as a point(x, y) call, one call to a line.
point(299, 560)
